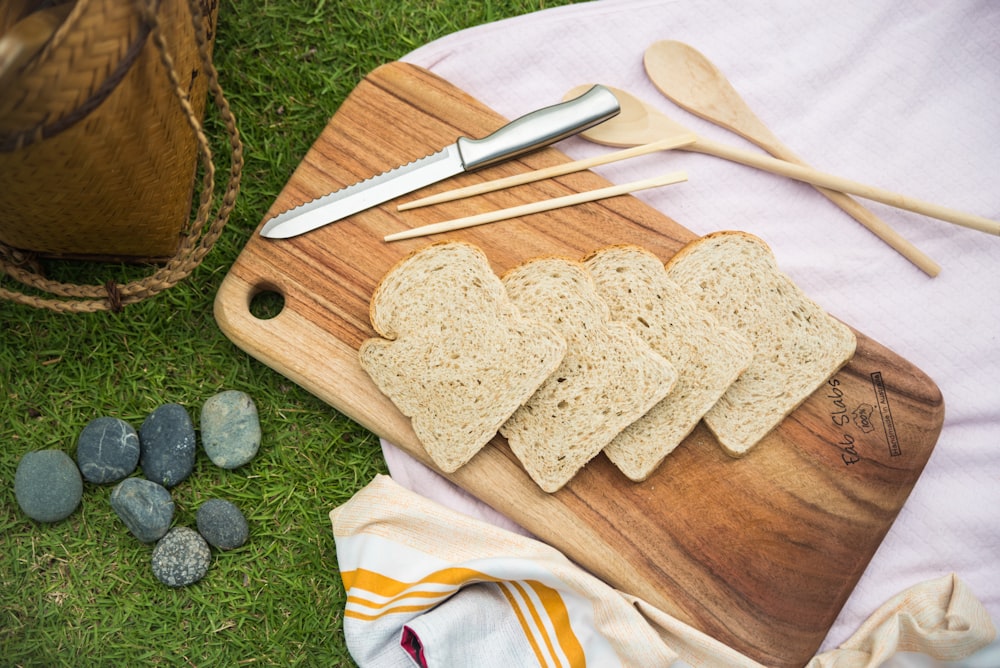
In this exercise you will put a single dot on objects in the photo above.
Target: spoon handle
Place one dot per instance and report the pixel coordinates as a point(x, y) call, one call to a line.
point(764, 138)
point(836, 183)
point(759, 134)
point(822, 179)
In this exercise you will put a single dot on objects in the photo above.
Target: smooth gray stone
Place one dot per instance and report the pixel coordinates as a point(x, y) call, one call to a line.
point(230, 429)
point(47, 485)
point(107, 450)
point(144, 506)
point(222, 524)
point(167, 443)
point(181, 557)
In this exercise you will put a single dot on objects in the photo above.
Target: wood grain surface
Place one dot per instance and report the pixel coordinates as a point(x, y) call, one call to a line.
point(759, 552)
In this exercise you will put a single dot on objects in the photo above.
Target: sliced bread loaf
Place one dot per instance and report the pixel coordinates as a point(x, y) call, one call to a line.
point(608, 379)
point(708, 357)
point(457, 357)
point(797, 345)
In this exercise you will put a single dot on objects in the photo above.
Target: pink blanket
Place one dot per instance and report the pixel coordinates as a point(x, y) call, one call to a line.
point(900, 95)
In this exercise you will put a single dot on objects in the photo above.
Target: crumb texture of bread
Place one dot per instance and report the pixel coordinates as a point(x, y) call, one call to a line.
point(456, 355)
point(797, 345)
point(707, 356)
point(608, 378)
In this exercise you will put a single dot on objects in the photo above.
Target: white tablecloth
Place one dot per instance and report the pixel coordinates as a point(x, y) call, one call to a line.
point(903, 95)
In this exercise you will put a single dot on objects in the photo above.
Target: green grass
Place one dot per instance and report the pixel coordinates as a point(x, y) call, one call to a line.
point(81, 591)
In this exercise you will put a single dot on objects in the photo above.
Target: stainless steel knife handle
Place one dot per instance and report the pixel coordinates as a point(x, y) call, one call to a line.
point(540, 128)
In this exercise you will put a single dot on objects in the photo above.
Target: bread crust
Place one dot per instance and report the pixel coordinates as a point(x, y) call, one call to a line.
point(454, 355)
point(708, 357)
point(551, 355)
point(797, 345)
point(608, 379)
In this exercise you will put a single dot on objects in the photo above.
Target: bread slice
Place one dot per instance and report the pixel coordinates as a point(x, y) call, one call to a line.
point(456, 357)
point(608, 379)
point(797, 345)
point(708, 357)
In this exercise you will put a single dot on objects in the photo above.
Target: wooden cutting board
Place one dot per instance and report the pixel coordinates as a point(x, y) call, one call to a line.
point(760, 552)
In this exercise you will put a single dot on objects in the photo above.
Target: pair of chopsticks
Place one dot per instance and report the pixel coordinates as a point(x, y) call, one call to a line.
point(546, 205)
point(688, 141)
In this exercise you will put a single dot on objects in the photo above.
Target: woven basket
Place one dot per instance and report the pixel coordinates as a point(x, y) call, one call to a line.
point(100, 140)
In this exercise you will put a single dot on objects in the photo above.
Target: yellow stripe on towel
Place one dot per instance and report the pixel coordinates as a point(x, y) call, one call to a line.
point(381, 594)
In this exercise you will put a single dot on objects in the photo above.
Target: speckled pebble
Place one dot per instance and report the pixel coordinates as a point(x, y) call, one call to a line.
point(107, 450)
point(167, 444)
point(230, 429)
point(181, 557)
point(222, 524)
point(47, 485)
point(144, 506)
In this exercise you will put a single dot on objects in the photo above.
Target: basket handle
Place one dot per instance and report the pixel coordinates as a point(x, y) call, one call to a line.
point(197, 240)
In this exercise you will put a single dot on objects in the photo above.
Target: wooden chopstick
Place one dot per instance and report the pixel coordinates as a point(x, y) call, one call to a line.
point(538, 207)
point(676, 141)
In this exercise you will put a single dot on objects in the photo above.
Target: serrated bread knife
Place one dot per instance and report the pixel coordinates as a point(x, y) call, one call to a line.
point(535, 130)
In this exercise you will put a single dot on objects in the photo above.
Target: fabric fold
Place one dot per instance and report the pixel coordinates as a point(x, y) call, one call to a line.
point(901, 95)
point(428, 586)
point(940, 618)
point(401, 556)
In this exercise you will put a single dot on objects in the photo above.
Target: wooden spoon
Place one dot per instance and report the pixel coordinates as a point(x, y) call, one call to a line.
point(692, 82)
point(639, 123)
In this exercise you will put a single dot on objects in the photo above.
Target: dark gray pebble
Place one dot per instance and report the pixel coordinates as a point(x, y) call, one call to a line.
point(144, 506)
point(181, 557)
point(222, 524)
point(167, 443)
point(107, 450)
point(47, 485)
point(230, 429)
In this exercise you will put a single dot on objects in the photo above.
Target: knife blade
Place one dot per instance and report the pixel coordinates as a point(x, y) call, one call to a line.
point(527, 133)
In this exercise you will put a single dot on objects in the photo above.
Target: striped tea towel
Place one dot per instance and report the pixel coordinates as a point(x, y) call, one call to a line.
point(427, 586)
point(430, 587)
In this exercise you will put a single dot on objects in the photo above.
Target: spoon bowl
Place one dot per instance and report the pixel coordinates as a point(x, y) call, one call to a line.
point(692, 82)
point(636, 124)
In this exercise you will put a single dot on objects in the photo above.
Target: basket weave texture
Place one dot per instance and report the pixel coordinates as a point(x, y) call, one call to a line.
point(100, 140)
point(115, 180)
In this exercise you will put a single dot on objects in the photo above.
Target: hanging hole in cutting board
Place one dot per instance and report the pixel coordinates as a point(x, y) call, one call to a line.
point(266, 302)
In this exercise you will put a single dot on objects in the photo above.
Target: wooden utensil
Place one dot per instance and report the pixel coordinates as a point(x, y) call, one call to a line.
point(539, 207)
point(692, 82)
point(760, 552)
